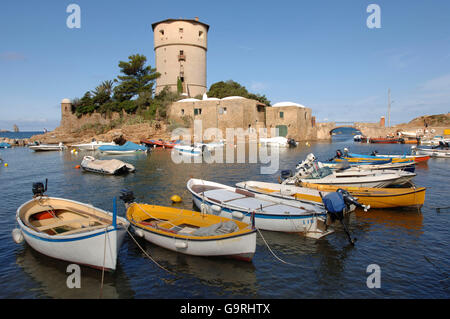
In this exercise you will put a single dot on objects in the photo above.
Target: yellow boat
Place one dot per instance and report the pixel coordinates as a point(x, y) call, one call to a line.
point(379, 197)
point(191, 232)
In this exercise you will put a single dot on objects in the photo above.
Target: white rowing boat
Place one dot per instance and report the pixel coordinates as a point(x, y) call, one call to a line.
point(270, 213)
point(92, 146)
point(71, 231)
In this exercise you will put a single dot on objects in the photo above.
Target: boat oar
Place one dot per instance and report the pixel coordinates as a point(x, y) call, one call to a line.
point(114, 219)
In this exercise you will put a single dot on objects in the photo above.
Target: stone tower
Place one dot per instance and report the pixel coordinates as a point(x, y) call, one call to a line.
point(66, 113)
point(180, 55)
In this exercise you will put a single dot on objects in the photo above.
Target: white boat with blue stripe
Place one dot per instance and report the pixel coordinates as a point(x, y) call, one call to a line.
point(271, 213)
point(71, 231)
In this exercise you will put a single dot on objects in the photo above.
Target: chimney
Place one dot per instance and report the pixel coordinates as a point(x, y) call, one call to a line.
point(196, 18)
point(382, 121)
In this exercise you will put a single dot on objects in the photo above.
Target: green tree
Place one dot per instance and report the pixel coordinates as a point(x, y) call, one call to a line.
point(231, 88)
point(136, 78)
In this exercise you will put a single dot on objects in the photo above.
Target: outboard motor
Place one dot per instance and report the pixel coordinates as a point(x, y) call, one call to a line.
point(286, 174)
point(291, 142)
point(374, 153)
point(350, 200)
point(39, 189)
point(127, 197)
point(335, 204)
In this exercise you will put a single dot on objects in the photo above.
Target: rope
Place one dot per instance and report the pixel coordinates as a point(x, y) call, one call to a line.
point(285, 262)
point(103, 267)
point(146, 254)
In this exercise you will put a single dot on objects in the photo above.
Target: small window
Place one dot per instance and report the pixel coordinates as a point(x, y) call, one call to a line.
point(222, 110)
point(182, 111)
point(281, 115)
point(161, 32)
point(180, 30)
point(197, 111)
point(200, 34)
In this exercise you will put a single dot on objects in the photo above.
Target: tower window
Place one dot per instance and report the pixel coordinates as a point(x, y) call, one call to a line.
point(181, 56)
point(161, 32)
point(200, 34)
point(180, 30)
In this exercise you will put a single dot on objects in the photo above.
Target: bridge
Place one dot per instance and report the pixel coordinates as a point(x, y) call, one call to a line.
point(326, 129)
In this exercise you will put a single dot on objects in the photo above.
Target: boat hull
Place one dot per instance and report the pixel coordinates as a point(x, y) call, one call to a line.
point(380, 197)
point(84, 248)
point(240, 247)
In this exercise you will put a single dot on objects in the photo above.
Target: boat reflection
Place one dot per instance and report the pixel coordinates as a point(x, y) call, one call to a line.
point(407, 218)
point(237, 277)
point(51, 276)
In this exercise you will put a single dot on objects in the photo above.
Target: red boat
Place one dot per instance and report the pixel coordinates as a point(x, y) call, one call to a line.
point(160, 143)
point(386, 140)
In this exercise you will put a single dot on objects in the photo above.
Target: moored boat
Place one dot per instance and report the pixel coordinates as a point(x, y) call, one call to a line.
point(311, 171)
point(375, 156)
point(5, 145)
point(190, 232)
point(127, 148)
point(92, 146)
point(69, 230)
point(37, 147)
point(379, 197)
point(270, 213)
point(108, 167)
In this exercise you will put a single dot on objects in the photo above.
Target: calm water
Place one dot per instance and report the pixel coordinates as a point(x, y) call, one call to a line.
point(19, 134)
point(410, 246)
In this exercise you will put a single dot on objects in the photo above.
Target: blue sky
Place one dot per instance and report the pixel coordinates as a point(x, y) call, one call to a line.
point(317, 53)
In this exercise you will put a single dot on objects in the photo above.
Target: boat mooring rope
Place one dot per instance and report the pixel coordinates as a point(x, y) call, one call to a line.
point(103, 268)
point(285, 262)
point(146, 254)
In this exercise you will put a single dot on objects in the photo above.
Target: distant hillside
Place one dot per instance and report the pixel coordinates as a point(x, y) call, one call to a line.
point(431, 120)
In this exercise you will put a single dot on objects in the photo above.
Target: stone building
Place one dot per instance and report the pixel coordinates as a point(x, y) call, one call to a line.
point(180, 55)
point(292, 120)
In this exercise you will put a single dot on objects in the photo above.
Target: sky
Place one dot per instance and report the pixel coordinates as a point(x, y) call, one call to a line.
point(320, 54)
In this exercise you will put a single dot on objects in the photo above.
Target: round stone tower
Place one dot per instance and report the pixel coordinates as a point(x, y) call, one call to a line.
point(180, 55)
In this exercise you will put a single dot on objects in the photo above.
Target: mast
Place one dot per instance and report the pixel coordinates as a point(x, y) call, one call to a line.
point(389, 107)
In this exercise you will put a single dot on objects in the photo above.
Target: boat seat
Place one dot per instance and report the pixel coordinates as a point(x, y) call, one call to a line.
point(80, 230)
point(63, 223)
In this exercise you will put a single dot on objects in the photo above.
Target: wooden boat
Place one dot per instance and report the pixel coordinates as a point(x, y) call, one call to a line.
point(71, 231)
point(441, 153)
point(406, 166)
point(108, 167)
point(127, 148)
point(385, 140)
point(371, 160)
point(379, 197)
point(190, 232)
point(92, 146)
point(270, 213)
point(160, 143)
point(283, 191)
point(373, 197)
point(375, 155)
point(47, 147)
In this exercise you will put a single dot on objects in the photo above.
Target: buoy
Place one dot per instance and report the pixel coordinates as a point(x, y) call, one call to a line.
point(181, 244)
point(17, 236)
point(216, 209)
point(139, 233)
point(175, 199)
point(6, 164)
point(238, 215)
point(77, 166)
